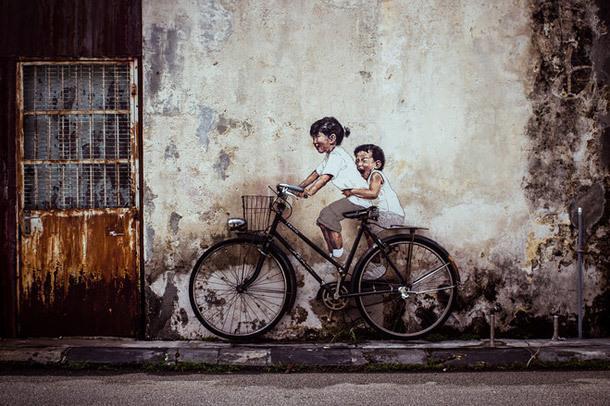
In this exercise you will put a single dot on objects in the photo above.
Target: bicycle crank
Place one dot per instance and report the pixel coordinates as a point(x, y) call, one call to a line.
point(327, 295)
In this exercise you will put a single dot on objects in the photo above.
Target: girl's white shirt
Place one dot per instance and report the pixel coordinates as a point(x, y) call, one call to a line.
point(340, 165)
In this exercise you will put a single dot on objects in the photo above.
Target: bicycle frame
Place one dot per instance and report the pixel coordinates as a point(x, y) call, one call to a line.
point(343, 269)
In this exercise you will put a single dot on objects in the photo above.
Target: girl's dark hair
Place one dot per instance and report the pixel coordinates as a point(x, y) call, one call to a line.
point(376, 151)
point(328, 126)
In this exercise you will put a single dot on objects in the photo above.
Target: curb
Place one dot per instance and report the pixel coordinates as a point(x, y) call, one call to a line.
point(350, 357)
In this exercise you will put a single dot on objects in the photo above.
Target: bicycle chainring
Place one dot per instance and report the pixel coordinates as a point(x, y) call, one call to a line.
point(327, 295)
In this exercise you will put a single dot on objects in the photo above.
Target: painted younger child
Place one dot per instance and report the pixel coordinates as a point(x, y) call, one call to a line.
point(370, 161)
point(337, 167)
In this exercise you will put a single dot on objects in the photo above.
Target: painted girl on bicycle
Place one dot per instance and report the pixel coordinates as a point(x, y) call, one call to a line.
point(338, 168)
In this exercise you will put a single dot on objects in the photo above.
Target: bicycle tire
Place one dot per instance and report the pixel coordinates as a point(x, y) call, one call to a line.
point(430, 300)
point(235, 315)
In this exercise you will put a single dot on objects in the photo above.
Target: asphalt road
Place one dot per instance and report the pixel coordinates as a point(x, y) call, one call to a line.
point(472, 388)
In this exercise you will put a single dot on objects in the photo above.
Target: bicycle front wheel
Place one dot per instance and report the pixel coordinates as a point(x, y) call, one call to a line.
point(414, 296)
point(227, 308)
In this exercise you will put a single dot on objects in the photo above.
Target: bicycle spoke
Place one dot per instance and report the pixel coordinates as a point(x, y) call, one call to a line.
point(262, 302)
point(229, 303)
point(262, 298)
point(258, 282)
point(429, 274)
point(262, 318)
point(251, 318)
point(241, 261)
point(220, 276)
point(241, 314)
point(232, 318)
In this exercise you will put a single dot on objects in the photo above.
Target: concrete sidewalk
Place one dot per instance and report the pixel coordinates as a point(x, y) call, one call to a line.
point(372, 355)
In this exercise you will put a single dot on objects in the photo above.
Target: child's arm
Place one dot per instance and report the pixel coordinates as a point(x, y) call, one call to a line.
point(371, 193)
point(309, 180)
point(316, 185)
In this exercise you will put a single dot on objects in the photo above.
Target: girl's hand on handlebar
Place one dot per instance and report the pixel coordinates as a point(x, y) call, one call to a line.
point(347, 192)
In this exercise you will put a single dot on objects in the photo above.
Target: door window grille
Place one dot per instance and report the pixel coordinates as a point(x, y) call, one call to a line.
point(77, 138)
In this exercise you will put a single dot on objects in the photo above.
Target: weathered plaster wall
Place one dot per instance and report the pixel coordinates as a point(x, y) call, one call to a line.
point(487, 140)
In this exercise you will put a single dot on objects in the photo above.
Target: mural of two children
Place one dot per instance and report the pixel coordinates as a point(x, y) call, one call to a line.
point(363, 183)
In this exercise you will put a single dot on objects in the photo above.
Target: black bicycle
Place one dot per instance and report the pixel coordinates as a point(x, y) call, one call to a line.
point(405, 285)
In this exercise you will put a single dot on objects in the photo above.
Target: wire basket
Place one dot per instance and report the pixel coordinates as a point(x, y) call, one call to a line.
point(257, 211)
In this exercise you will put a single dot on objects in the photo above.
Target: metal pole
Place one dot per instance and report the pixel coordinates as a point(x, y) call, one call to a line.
point(492, 330)
point(580, 286)
point(555, 328)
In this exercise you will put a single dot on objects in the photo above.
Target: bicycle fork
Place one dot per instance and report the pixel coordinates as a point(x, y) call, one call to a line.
point(264, 253)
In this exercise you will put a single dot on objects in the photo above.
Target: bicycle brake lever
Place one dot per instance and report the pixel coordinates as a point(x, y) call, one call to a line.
point(289, 193)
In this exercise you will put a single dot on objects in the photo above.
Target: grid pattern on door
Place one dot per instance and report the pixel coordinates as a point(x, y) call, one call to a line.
point(77, 136)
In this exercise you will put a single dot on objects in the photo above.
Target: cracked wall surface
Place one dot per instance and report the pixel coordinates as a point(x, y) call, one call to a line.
point(492, 115)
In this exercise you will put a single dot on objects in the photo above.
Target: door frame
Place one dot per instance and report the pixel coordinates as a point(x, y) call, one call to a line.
point(136, 115)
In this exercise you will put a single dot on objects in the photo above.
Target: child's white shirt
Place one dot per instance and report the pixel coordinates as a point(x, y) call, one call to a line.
point(387, 200)
point(340, 165)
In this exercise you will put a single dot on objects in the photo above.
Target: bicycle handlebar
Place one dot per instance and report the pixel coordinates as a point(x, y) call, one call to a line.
point(285, 188)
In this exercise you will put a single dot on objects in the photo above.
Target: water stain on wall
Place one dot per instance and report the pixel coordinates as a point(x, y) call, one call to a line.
point(207, 118)
point(222, 164)
point(225, 124)
point(566, 156)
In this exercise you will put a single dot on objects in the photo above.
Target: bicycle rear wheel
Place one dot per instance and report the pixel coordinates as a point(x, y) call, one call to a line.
point(430, 286)
point(224, 306)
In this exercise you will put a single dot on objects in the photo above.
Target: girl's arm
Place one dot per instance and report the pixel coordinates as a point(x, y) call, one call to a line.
point(371, 193)
point(316, 185)
point(309, 180)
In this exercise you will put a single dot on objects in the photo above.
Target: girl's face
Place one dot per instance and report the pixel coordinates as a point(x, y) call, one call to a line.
point(366, 163)
point(324, 144)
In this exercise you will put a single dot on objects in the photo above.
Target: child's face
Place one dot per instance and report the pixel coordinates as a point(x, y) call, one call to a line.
point(322, 143)
point(366, 163)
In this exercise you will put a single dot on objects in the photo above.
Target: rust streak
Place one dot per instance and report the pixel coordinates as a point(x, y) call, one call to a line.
point(78, 246)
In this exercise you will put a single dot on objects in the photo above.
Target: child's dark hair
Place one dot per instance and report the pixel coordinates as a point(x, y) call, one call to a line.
point(376, 151)
point(328, 126)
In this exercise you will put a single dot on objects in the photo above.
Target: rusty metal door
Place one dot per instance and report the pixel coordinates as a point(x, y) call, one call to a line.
point(78, 208)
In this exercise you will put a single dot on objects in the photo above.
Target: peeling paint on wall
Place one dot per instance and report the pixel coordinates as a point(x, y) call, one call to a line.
point(165, 62)
point(171, 151)
point(161, 304)
point(222, 164)
point(206, 123)
point(174, 222)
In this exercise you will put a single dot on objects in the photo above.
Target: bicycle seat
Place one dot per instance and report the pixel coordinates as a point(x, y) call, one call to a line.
point(362, 213)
